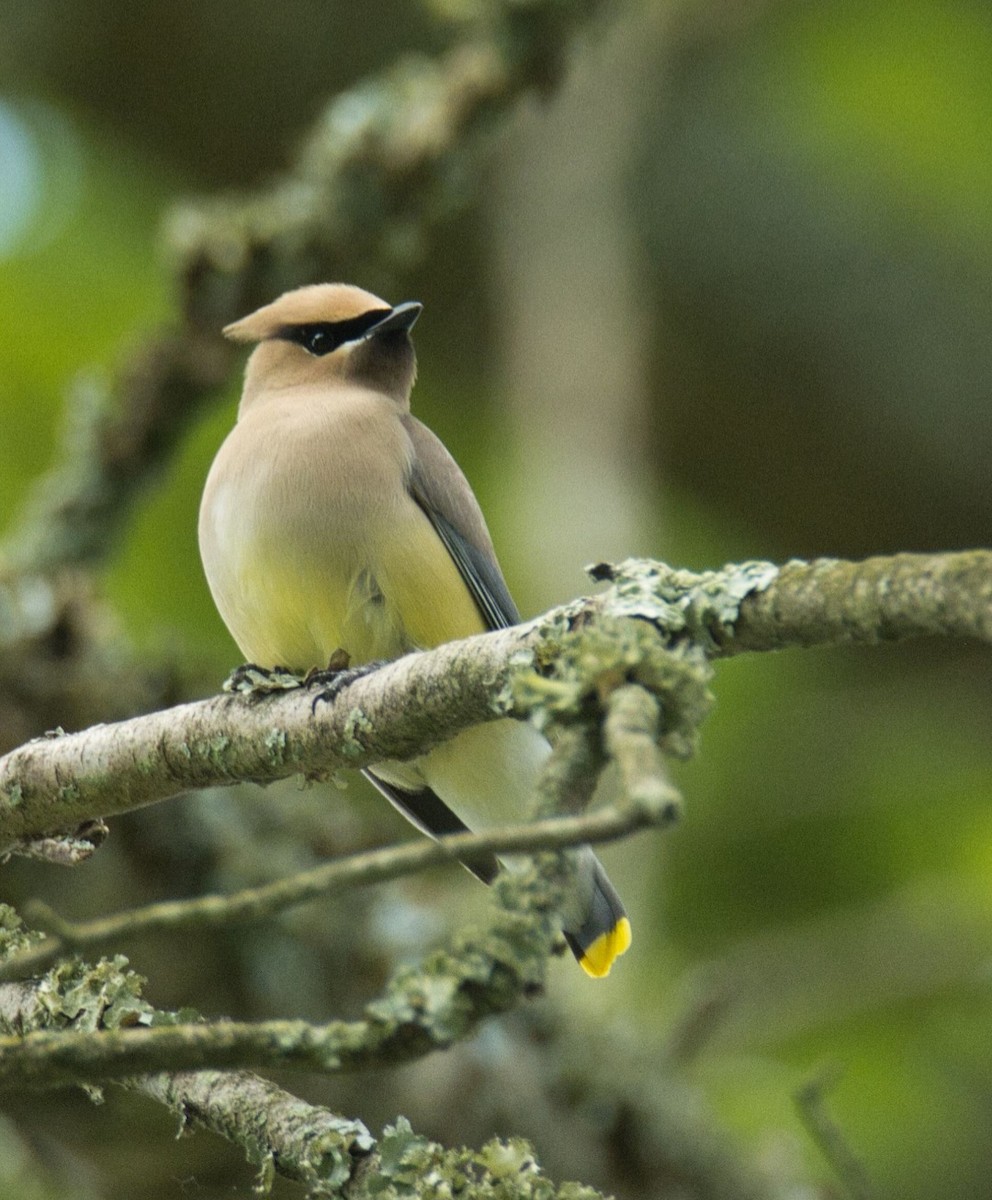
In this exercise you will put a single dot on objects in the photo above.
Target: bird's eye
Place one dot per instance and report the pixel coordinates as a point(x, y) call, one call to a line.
point(318, 341)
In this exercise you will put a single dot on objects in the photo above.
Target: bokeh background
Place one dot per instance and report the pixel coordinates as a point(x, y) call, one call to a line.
point(725, 294)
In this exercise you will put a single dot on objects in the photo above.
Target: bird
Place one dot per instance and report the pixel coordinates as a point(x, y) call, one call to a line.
point(333, 520)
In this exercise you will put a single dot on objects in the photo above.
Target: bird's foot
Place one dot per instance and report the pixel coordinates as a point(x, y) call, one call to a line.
point(336, 676)
point(252, 680)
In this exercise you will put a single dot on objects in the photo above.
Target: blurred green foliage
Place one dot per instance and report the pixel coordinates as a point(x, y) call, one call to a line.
point(810, 190)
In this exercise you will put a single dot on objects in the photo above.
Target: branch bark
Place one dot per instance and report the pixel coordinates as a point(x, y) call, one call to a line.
point(52, 783)
point(557, 669)
point(332, 1155)
point(84, 1024)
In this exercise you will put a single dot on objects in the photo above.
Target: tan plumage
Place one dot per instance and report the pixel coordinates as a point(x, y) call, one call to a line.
point(333, 519)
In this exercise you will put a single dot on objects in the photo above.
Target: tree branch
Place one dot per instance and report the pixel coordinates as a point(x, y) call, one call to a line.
point(281, 1134)
point(54, 782)
point(825, 602)
point(384, 165)
point(277, 1131)
point(334, 1156)
point(829, 602)
point(85, 1024)
point(556, 669)
point(114, 1033)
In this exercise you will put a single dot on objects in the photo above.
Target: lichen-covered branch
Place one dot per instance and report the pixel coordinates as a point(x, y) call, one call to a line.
point(639, 652)
point(632, 730)
point(52, 783)
point(408, 1164)
point(113, 1033)
point(279, 1133)
point(825, 602)
point(828, 602)
point(90, 1024)
point(422, 1009)
point(87, 1024)
point(557, 669)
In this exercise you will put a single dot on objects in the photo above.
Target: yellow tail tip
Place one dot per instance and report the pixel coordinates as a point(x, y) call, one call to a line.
point(602, 953)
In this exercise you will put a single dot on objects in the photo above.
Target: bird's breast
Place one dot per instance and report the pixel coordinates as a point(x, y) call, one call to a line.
point(311, 541)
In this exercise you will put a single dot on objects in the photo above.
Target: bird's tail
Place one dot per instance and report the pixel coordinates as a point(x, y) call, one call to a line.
point(599, 931)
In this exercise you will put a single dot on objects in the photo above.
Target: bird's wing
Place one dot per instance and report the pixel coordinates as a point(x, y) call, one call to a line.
point(444, 495)
point(429, 813)
point(598, 931)
point(442, 491)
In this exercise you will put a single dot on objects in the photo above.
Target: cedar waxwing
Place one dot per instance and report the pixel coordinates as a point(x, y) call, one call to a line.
point(333, 519)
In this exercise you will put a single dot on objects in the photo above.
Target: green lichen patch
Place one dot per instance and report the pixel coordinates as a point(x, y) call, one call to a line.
point(356, 725)
point(483, 971)
point(104, 996)
point(574, 672)
point(411, 1165)
point(682, 604)
point(655, 626)
point(14, 936)
point(275, 742)
point(332, 1154)
point(13, 794)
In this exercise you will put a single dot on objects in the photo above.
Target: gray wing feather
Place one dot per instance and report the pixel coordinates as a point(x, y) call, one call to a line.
point(483, 578)
point(426, 811)
point(443, 493)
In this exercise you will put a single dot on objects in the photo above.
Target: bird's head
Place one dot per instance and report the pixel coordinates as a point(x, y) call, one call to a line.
point(329, 333)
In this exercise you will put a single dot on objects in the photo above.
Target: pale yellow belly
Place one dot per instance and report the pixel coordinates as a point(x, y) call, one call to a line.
point(294, 590)
point(486, 774)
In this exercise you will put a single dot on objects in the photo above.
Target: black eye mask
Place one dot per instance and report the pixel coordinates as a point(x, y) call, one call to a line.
point(321, 337)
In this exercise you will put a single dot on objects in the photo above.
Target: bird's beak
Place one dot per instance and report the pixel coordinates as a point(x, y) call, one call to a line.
point(402, 317)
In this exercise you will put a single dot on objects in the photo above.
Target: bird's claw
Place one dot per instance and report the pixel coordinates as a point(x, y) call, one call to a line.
point(336, 676)
point(252, 680)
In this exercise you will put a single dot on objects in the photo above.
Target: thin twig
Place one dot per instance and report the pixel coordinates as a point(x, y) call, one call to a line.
point(631, 732)
point(811, 1104)
point(570, 775)
point(377, 866)
point(429, 1007)
point(698, 1020)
